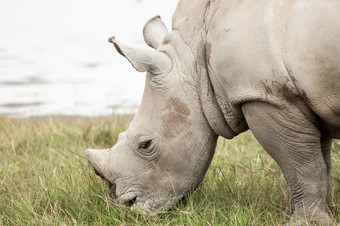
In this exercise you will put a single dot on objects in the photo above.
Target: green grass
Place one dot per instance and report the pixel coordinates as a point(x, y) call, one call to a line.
point(45, 179)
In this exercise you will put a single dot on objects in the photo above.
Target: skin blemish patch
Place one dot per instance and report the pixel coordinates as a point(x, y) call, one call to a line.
point(176, 118)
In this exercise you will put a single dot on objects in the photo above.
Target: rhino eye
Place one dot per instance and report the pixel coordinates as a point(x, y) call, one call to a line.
point(145, 144)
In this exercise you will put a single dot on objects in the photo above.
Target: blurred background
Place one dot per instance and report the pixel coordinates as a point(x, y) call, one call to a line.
point(55, 58)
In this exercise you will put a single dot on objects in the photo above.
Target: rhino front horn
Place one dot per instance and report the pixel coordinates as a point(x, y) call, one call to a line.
point(144, 59)
point(97, 158)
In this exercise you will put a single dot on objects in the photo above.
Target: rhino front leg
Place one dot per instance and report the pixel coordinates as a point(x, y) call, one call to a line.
point(326, 144)
point(294, 141)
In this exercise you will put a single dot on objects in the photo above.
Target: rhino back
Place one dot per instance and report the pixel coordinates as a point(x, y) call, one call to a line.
point(244, 54)
point(278, 52)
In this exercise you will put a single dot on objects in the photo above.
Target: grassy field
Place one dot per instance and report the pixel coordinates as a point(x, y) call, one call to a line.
point(45, 179)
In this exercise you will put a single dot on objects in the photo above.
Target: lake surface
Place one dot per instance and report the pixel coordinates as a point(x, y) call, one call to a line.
point(55, 58)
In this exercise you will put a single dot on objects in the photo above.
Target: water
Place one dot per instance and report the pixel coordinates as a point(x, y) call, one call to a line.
point(55, 58)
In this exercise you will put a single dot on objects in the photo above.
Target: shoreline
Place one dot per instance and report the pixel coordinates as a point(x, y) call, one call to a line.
point(67, 117)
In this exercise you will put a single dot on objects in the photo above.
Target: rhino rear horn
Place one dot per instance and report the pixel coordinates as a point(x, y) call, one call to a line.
point(154, 32)
point(144, 59)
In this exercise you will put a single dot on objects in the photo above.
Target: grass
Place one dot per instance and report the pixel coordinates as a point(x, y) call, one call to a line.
point(45, 179)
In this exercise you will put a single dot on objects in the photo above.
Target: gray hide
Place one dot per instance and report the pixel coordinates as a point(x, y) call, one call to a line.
point(228, 66)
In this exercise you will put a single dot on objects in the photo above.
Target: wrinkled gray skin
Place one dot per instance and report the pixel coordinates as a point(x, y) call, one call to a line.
point(228, 66)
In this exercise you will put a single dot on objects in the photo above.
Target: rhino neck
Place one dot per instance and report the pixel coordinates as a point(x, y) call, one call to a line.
point(193, 30)
point(211, 107)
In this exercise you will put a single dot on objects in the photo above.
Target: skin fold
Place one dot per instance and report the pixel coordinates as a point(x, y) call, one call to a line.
point(225, 67)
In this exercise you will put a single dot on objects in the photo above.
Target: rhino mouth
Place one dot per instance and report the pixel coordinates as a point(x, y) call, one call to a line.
point(148, 205)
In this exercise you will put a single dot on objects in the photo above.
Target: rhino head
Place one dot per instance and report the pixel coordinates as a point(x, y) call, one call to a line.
point(168, 147)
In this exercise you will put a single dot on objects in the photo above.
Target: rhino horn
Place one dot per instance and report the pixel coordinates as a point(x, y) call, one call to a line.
point(144, 59)
point(154, 32)
point(97, 158)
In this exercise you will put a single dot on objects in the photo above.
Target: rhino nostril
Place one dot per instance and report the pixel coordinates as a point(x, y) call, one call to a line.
point(131, 202)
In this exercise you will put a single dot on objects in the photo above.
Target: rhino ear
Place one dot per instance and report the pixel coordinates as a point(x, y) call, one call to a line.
point(154, 32)
point(144, 59)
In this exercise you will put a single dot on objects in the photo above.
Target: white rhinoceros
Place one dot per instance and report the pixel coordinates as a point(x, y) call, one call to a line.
point(228, 66)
